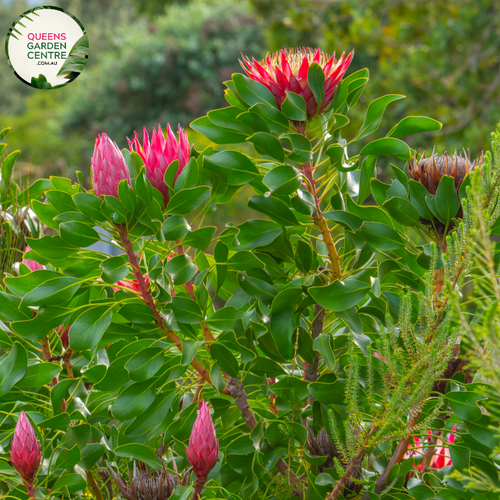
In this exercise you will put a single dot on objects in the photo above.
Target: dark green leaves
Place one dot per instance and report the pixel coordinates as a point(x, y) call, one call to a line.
point(282, 180)
point(294, 107)
point(387, 146)
point(413, 125)
point(89, 328)
point(274, 208)
point(181, 268)
point(446, 199)
point(13, 366)
point(185, 201)
point(236, 168)
point(340, 295)
point(253, 92)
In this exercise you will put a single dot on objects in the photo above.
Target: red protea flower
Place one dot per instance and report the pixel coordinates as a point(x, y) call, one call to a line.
point(108, 167)
point(203, 450)
point(287, 70)
point(32, 264)
point(160, 153)
point(25, 450)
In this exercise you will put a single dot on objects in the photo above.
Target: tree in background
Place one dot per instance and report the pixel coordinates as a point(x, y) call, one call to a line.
point(443, 55)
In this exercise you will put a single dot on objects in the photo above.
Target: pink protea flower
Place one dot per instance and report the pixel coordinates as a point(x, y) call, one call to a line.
point(442, 456)
point(158, 154)
point(25, 450)
point(287, 70)
point(108, 167)
point(203, 450)
point(32, 264)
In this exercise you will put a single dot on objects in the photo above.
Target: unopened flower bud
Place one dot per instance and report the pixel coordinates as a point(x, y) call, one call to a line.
point(108, 167)
point(25, 450)
point(203, 450)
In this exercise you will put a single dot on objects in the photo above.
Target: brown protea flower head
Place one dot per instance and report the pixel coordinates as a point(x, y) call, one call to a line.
point(287, 70)
point(143, 485)
point(428, 171)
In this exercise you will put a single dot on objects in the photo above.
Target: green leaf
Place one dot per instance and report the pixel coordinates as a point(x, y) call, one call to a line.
point(402, 211)
point(253, 92)
point(13, 366)
point(294, 107)
point(244, 260)
point(374, 115)
point(446, 199)
point(380, 236)
point(46, 319)
point(185, 201)
point(464, 404)
point(89, 205)
point(185, 310)
point(257, 288)
point(52, 292)
point(40, 82)
point(387, 146)
point(224, 318)
point(267, 144)
point(79, 234)
point(460, 457)
point(91, 455)
point(143, 365)
point(340, 295)
point(282, 328)
point(89, 327)
point(39, 374)
point(139, 452)
point(328, 390)
point(52, 247)
point(301, 147)
point(114, 269)
point(175, 228)
point(316, 82)
point(418, 195)
point(189, 350)
point(114, 210)
point(236, 168)
point(181, 268)
point(283, 179)
point(225, 359)
point(134, 400)
point(73, 483)
point(413, 125)
point(277, 121)
point(68, 458)
point(345, 219)
point(323, 344)
point(216, 133)
point(77, 57)
point(274, 208)
point(303, 256)
point(199, 238)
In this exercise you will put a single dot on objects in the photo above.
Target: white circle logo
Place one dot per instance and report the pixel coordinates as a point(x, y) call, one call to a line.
point(47, 47)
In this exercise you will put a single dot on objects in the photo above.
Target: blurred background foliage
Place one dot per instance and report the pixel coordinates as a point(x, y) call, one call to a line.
point(164, 61)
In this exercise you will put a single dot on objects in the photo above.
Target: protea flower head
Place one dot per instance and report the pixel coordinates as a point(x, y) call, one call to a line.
point(287, 70)
point(203, 450)
point(158, 154)
point(428, 171)
point(25, 450)
point(441, 457)
point(108, 167)
point(145, 486)
point(32, 264)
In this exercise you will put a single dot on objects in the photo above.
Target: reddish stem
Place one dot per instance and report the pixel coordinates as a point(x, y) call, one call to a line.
point(31, 490)
point(198, 487)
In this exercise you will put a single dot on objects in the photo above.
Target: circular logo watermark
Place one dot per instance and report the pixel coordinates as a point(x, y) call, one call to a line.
point(47, 47)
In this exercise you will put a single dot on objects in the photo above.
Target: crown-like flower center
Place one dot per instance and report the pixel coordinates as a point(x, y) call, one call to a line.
point(295, 57)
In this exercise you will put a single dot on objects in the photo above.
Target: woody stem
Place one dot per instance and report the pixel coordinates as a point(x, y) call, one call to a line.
point(148, 299)
point(320, 221)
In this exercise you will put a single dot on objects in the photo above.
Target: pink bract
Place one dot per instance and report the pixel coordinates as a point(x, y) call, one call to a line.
point(203, 450)
point(287, 70)
point(25, 450)
point(108, 167)
point(158, 154)
point(32, 264)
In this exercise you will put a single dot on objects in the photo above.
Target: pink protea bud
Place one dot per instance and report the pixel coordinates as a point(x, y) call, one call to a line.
point(108, 167)
point(33, 265)
point(25, 450)
point(203, 450)
point(160, 153)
